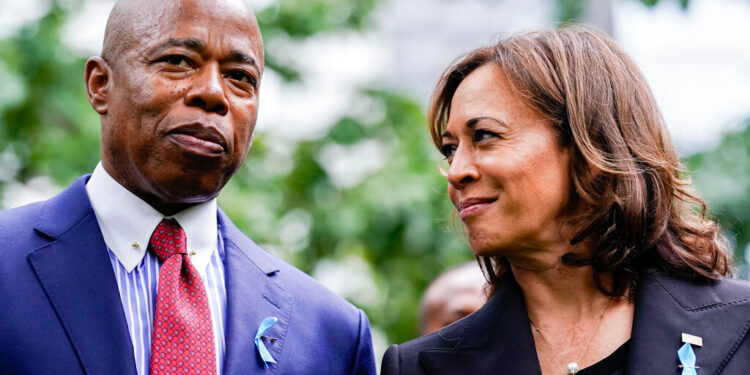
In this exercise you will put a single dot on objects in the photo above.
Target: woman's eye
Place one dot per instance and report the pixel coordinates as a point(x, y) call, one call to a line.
point(177, 60)
point(481, 135)
point(241, 76)
point(448, 151)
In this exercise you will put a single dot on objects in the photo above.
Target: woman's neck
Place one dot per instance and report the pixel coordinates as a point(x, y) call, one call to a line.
point(567, 291)
point(549, 285)
point(571, 319)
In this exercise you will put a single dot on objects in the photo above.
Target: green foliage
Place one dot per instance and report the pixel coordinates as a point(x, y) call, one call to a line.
point(299, 19)
point(651, 3)
point(302, 18)
point(45, 119)
point(570, 11)
point(722, 177)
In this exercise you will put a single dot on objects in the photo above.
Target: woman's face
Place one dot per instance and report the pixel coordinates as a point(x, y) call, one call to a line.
point(508, 174)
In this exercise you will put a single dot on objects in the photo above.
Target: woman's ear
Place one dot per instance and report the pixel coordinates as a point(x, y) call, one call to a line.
point(98, 79)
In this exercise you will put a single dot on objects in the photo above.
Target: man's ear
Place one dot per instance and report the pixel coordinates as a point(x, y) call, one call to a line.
point(98, 80)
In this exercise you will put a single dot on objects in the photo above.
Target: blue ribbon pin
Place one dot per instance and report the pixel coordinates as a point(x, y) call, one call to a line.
point(687, 359)
point(265, 325)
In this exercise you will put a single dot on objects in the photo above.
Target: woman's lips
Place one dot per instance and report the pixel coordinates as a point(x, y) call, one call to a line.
point(470, 207)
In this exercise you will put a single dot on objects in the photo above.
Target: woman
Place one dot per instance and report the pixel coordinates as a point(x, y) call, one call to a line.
point(569, 191)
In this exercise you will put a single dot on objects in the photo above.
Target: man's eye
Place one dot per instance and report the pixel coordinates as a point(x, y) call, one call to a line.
point(241, 77)
point(177, 60)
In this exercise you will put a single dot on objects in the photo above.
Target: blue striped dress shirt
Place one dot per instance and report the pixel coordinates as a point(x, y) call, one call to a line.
point(127, 223)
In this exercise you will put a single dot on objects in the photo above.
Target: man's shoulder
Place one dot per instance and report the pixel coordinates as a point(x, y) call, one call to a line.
point(49, 216)
point(304, 288)
point(27, 228)
point(19, 218)
point(18, 238)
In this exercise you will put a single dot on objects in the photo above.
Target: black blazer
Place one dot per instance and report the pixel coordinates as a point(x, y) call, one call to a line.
point(497, 338)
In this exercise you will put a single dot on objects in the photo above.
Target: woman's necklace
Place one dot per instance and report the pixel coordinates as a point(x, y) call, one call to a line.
point(573, 367)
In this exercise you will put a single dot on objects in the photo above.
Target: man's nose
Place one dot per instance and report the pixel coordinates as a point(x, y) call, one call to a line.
point(208, 90)
point(463, 169)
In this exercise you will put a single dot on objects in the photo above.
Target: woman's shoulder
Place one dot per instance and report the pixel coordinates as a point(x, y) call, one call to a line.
point(404, 358)
point(713, 312)
point(695, 294)
point(462, 346)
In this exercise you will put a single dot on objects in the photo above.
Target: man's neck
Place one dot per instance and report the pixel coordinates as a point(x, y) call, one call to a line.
point(164, 207)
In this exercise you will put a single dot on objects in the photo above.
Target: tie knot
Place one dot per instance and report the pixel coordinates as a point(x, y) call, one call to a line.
point(168, 239)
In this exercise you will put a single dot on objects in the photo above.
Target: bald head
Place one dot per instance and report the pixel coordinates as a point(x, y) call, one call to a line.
point(133, 20)
point(454, 294)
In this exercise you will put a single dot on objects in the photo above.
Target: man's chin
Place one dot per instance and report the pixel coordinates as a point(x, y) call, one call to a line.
point(190, 196)
point(170, 200)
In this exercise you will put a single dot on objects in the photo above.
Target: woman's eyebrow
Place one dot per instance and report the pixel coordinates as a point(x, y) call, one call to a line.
point(472, 122)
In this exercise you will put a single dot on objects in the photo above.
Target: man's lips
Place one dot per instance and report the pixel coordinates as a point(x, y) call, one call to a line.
point(470, 206)
point(199, 138)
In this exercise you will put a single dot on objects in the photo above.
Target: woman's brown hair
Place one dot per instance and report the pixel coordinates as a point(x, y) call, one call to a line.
point(636, 211)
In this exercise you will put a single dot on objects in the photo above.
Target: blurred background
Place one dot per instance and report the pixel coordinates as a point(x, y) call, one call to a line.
point(341, 180)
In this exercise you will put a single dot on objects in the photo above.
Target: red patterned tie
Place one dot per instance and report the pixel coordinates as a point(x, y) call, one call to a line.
point(183, 340)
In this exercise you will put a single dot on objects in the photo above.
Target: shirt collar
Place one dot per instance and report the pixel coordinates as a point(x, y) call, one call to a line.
point(127, 222)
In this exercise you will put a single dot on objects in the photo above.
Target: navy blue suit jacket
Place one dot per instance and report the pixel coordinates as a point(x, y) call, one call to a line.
point(497, 338)
point(60, 309)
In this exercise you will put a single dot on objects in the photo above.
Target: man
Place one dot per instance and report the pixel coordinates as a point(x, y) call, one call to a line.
point(134, 270)
point(454, 294)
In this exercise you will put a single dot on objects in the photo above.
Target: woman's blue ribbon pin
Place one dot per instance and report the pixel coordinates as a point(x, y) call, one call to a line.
point(265, 325)
point(687, 359)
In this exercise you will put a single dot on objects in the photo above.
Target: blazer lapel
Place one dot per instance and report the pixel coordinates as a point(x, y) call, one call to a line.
point(252, 295)
point(665, 308)
point(77, 276)
point(497, 339)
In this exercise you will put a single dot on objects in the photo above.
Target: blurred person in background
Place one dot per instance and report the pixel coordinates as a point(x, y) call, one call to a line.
point(134, 269)
point(455, 293)
point(599, 257)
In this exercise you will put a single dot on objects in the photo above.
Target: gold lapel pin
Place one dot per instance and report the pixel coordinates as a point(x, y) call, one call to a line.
point(269, 338)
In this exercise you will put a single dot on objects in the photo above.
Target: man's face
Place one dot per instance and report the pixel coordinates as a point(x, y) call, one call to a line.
point(183, 103)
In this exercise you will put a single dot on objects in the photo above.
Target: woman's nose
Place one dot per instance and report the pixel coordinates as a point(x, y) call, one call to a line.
point(463, 168)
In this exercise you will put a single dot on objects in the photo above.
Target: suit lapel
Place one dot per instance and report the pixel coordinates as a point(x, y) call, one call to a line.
point(497, 339)
point(77, 276)
point(252, 295)
point(666, 308)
